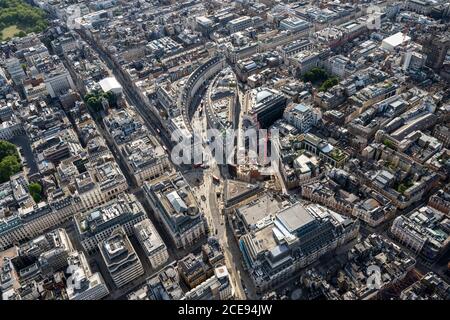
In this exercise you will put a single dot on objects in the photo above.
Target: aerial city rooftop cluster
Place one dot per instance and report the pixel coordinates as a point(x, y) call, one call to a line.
point(354, 205)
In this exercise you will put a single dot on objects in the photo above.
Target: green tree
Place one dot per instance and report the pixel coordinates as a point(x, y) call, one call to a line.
point(8, 167)
point(388, 143)
point(7, 149)
point(94, 103)
point(9, 160)
point(94, 99)
point(112, 98)
point(26, 17)
point(35, 191)
point(315, 75)
point(327, 84)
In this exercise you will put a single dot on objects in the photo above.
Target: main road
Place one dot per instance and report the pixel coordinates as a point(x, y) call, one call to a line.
point(208, 189)
point(210, 197)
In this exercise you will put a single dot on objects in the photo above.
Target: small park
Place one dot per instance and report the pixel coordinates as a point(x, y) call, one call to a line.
point(18, 18)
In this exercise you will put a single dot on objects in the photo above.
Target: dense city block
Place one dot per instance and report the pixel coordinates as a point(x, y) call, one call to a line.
point(224, 150)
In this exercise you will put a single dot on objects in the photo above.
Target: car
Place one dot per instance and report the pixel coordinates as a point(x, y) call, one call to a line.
point(203, 198)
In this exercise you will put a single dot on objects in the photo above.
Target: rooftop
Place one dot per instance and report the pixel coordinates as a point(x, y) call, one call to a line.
point(295, 217)
point(96, 220)
point(110, 83)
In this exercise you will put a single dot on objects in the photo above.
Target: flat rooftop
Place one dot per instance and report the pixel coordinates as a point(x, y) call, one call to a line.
point(396, 39)
point(259, 209)
point(295, 217)
point(235, 188)
point(264, 239)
